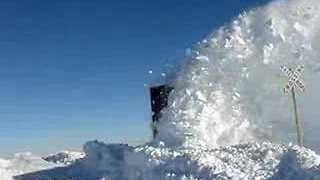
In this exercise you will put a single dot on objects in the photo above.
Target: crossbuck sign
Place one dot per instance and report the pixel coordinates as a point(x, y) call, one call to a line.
point(294, 78)
point(295, 82)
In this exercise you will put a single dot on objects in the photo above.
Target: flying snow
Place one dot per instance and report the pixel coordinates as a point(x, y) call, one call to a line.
point(231, 89)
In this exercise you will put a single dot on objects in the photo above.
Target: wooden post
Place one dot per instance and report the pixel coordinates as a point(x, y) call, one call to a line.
point(297, 120)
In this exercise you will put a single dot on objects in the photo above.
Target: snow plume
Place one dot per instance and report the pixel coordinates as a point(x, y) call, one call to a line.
point(230, 91)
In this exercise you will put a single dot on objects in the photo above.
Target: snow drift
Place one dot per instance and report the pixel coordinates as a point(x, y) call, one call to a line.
point(227, 102)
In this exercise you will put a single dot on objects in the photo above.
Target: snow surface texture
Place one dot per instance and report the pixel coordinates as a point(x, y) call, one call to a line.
point(246, 161)
point(227, 100)
point(230, 91)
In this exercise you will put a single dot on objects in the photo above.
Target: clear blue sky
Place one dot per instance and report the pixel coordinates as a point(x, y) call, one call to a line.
point(72, 71)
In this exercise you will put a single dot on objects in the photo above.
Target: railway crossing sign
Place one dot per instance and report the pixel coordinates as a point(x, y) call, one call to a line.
point(294, 82)
point(294, 78)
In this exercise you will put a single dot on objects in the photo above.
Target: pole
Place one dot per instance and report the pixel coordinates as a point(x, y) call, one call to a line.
point(297, 120)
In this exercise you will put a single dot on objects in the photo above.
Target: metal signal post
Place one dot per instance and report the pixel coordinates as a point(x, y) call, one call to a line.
point(297, 120)
point(294, 82)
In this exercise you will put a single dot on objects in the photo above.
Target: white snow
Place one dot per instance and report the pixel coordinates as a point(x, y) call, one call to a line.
point(22, 163)
point(230, 90)
point(226, 108)
point(158, 162)
point(202, 58)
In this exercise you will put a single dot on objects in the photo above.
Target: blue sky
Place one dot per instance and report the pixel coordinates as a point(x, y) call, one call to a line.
point(72, 71)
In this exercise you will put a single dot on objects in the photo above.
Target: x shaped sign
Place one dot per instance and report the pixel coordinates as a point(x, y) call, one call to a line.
point(294, 78)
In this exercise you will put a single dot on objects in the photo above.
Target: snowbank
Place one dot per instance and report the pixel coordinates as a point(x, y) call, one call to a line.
point(246, 161)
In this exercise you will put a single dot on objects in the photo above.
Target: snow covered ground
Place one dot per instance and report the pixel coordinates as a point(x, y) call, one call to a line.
point(22, 163)
point(226, 108)
point(158, 162)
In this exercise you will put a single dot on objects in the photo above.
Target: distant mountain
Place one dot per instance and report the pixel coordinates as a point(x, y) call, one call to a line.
point(64, 157)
